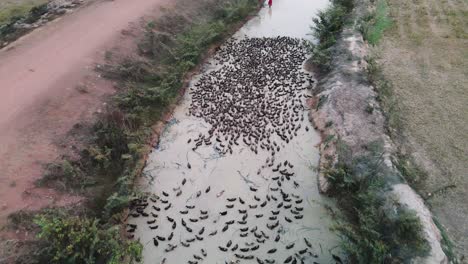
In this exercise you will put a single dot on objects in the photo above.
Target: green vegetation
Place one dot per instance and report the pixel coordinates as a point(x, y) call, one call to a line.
point(322, 100)
point(73, 239)
point(11, 14)
point(64, 176)
point(10, 11)
point(373, 26)
point(385, 96)
point(73, 235)
point(446, 242)
point(376, 229)
point(160, 87)
point(327, 25)
point(106, 171)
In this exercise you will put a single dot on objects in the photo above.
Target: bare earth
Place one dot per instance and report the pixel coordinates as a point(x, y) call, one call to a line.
point(425, 56)
point(47, 85)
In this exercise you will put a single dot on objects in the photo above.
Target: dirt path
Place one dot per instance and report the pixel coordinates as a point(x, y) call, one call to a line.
point(39, 97)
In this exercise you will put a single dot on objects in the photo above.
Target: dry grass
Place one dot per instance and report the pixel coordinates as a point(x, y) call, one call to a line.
point(425, 56)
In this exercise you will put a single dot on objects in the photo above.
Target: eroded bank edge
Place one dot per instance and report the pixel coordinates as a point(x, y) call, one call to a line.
point(357, 156)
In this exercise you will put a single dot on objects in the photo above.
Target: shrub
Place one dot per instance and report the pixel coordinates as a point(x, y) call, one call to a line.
point(36, 12)
point(327, 25)
point(377, 229)
point(71, 239)
point(374, 25)
point(65, 176)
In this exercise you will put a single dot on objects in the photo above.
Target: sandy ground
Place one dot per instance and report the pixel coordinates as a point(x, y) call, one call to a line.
point(425, 56)
point(47, 85)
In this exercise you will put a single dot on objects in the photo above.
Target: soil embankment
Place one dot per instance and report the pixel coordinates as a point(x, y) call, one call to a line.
point(354, 130)
point(48, 84)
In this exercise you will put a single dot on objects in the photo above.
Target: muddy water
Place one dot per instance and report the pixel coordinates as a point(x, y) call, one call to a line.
point(291, 18)
point(197, 193)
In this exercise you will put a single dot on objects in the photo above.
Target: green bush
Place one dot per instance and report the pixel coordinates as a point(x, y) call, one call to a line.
point(71, 239)
point(65, 176)
point(376, 229)
point(111, 141)
point(374, 25)
point(20, 9)
point(36, 13)
point(327, 25)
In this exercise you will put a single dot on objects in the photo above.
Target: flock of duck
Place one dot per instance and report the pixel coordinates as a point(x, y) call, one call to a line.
point(253, 98)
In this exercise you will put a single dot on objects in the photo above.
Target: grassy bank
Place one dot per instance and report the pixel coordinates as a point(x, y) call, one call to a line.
point(20, 12)
point(9, 10)
point(374, 227)
point(170, 49)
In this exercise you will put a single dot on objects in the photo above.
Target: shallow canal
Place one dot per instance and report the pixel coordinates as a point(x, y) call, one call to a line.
point(233, 177)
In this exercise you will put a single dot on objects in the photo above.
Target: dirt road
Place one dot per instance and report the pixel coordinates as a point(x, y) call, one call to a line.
point(47, 85)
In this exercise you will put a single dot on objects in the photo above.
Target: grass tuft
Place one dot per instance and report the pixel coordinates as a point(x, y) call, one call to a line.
point(412, 173)
point(64, 176)
point(10, 11)
point(385, 96)
point(447, 244)
point(374, 25)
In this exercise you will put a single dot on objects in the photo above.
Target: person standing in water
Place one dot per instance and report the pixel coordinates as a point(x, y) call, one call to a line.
point(270, 3)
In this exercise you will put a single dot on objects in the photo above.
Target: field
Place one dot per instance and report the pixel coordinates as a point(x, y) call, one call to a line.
point(424, 55)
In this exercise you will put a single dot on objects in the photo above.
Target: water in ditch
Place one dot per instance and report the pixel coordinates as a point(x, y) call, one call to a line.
point(232, 179)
